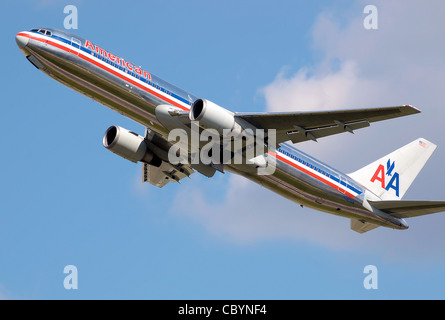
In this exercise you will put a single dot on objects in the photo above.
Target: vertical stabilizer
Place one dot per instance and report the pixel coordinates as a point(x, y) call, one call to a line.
point(390, 177)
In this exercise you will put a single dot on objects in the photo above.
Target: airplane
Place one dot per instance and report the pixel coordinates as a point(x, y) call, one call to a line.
point(370, 197)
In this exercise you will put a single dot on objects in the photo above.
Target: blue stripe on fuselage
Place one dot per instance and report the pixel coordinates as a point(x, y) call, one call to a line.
point(327, 171)
point(122, 68)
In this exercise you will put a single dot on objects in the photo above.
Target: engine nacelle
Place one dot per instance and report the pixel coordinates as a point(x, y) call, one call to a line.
point(212, 116)
point(129, 145)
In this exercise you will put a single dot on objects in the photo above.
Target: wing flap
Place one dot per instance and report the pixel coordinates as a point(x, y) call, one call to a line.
point(160, 176)
point(301, 134)
point(409, 209)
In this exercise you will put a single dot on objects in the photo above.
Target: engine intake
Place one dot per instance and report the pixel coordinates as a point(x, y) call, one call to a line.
point(129, 145)
point(212, 116)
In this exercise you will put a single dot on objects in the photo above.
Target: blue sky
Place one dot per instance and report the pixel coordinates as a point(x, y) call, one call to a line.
point(66, 200)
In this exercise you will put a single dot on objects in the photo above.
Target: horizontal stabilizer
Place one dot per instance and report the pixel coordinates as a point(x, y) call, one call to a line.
point(361, 226)
point(409, 209)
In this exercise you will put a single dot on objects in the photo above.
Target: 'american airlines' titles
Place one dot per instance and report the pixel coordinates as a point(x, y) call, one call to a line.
point(115, 59)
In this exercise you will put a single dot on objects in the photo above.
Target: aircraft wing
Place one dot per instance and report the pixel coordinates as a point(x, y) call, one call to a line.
point(304, 126)
point(409, 209)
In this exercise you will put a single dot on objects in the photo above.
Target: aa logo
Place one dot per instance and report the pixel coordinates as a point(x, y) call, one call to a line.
point(383, 174)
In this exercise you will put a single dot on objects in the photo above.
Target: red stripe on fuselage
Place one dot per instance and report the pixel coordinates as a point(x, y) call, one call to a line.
point(310, 173)
point(108, 69)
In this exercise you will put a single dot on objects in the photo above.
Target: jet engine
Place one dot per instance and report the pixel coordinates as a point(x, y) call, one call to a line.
point(129, 145)
point(212, 116)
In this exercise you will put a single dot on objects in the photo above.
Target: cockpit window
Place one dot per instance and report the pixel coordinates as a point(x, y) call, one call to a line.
point(43, 31)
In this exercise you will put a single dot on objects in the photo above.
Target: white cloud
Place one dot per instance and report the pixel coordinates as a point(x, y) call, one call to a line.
point(402, 60)
point(400, 63)
point(321, 89)
point(249, 213)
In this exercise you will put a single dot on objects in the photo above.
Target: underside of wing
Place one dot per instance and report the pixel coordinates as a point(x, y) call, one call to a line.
point(304, 126)
point(409, 209)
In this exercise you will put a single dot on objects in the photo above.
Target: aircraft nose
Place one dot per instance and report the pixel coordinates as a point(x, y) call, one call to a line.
point(21, 40)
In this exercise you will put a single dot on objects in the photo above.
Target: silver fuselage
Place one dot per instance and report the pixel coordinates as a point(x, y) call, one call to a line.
point(132, 91)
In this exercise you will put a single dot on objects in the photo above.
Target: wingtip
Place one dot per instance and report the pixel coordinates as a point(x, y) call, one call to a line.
point(412, 108)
